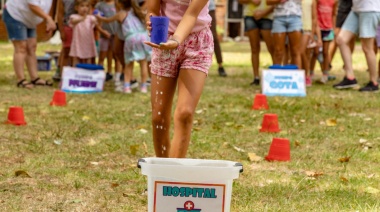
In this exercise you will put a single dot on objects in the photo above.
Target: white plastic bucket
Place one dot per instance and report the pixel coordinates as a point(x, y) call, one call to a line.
point(189, 185)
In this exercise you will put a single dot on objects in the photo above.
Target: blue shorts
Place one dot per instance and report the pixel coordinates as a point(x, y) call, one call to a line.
point(17, 30)
point(327, 35)
point(362, 23)
point(251, 23)
point(282, 24)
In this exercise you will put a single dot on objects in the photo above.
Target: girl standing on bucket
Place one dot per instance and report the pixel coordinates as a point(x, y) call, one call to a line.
point(83, 47)
point(133, 28)
point(183, 61)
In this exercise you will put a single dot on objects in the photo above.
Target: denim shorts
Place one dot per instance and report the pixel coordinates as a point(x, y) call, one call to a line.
point(251, 23)
point(362, 23)
point(327, 35)
point(16, 29)
point(282, 24)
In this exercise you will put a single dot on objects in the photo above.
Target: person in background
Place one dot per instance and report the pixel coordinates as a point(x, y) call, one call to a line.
point(65, 10)
point(310, 28)
point(363, 20)
point(326, 17)
point(344, 9)
point(258, 24)
point(287, 21)
point(108, 9)
point(83, 47)
point(378, 48)
point(217, 49)
point(21, 19)
point(183, 61)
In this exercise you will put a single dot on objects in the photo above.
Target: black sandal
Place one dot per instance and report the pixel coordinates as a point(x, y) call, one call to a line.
point(47, 82)
point(24, 84)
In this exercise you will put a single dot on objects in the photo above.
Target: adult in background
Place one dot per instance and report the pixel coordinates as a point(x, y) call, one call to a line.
point(258, 24)
point(21, 18)
point(217, 49)
point(362, 20)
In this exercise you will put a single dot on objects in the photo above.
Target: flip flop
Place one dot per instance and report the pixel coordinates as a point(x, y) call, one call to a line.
point(47, 82)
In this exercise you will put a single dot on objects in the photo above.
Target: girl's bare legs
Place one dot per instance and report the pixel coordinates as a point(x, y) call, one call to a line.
point(305, 54)
point(326, 61)
point(144, 70)
point(370, 56)
point(190, 86)
point(343, 41)
point(19, 57)
point(268, 39)
point(279, 47)
point(162, 93)
point(295, 47)
point(75, 61)
point(128, 72)
point(254, 41)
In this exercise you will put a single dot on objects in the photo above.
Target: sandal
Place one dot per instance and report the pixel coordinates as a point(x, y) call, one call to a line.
point(46, 83)
point(24, 84)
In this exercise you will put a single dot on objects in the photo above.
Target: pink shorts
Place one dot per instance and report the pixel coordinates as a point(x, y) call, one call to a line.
point(68, 36)
point(194, 53)
point(106, 43)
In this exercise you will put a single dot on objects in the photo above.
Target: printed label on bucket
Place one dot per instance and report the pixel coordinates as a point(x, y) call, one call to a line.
point(188, 197)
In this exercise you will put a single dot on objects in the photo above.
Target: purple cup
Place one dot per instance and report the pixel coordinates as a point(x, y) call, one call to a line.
point(97, 12)
point(160, 28)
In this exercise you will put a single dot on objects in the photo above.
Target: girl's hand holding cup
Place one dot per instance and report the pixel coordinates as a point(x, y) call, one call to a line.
point(158, 27)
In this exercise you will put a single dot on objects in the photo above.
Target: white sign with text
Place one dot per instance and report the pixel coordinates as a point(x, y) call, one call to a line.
point(283, 82)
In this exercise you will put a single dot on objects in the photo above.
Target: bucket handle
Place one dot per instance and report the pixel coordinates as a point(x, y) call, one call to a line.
point(141, 160)
point(241, 166)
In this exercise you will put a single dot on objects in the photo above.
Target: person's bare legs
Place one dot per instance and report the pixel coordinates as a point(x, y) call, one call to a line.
point(190, 86)
point(254, 41)
point(378, 66)
point(326, 56)
point(144, 70)
point(333, 46)
point(343, 41)
point(370, 56)
point(305, 54)
point(31, 58)
point(295, 47)
point(162, 93)
point(19, 57)
point(279, 47)
point(128, 70)
point(268, 39)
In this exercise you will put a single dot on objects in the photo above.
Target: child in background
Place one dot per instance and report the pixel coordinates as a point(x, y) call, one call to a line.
point(287, 22)
point(327, 10)
point(83, 44)
point(258, 24)
point(309, 22)
point(108, 9)
point(65, 10)
point(133, 28)
point(183, 61)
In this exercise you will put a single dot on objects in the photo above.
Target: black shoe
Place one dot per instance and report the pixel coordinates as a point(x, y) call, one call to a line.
point(346, 83)
point(108, 77)
point(222, 72)
point(256, 81)
point(56, 77)
point(370, 87)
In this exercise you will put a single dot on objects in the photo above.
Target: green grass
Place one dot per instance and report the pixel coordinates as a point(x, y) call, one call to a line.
point(77, 164)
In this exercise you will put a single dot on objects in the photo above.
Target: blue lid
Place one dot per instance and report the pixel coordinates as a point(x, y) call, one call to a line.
point(287, 67)
point(89, 66)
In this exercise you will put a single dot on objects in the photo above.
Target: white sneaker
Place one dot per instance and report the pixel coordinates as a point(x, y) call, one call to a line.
point(127, 90)
point(324, 79)
point(119, 88)
point(144, 89)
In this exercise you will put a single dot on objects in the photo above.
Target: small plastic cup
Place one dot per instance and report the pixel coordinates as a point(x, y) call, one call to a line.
point(270, 123)
point(160, 28)
point(260, 102)
point(279, 150)
point(16, 116)
point(59, 99)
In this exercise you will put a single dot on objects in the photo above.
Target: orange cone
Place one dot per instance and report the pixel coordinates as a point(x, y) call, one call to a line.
point(59, 98)
point(279, 150)
point(16, 116)
point(260, 102)
point(270, 123)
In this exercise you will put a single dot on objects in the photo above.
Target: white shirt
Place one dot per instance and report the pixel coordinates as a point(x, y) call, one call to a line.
point(366, 5)
point(290, 7)
point(19, 10)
